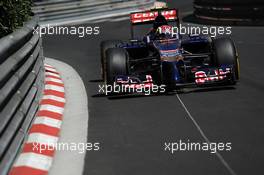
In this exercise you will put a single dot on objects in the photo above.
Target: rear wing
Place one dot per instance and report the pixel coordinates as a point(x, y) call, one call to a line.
point(147, 17)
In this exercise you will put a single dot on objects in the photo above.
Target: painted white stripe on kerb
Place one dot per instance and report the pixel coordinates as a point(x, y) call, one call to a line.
point(52, 74)
point(34, 160)
point(51, 108)
point(75, 121)
point(43, 139)
point(53, 97)
point(45, 64)
point(53, 80)
point(53, 87)
point(50, 69)
point(48, 121)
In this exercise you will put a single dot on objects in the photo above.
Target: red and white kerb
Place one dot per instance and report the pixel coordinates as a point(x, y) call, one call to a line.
point(45, 129)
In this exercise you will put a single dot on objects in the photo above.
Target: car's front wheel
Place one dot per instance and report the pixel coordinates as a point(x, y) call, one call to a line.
point(104, 46)
point(116, 63)
point(225, 53)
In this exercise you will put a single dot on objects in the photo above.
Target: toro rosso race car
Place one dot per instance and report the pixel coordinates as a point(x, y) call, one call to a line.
point(161, 58)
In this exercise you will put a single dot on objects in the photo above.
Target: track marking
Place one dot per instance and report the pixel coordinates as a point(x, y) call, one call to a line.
point(54, 87)
point(220, 157)
point(37, 161)
point(48, 121)
point(42, 139)
point(74, 127)
point(53, 97)
point(53, 108)
point(53, 70)
point(52, 74)
point(53, 80)
point(34, 158)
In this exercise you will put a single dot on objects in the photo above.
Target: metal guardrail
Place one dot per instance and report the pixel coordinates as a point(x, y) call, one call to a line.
point(229, 10)
point(70, 10)
point(21, 85)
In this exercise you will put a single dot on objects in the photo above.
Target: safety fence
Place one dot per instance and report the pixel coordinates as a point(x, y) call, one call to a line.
point(21, 85)
point(72, 11)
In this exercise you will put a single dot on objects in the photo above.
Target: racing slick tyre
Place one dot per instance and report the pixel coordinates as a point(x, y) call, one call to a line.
point(104, 46)
point(225, 53)
point(116, 64)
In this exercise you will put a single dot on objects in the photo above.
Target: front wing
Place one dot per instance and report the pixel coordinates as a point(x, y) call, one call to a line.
point(201, 78)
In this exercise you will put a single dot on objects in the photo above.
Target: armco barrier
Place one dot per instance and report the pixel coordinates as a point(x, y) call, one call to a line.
point(229, 10)
point(71, 11)
point(21, 85)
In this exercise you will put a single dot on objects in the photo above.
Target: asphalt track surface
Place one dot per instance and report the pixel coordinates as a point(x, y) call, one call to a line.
point(132, 131)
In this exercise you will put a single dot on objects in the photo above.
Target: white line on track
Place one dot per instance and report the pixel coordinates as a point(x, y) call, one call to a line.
point(219, 156)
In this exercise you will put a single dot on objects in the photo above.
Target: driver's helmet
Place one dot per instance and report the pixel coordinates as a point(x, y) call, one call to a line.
point(160, 20)
point(166, 32)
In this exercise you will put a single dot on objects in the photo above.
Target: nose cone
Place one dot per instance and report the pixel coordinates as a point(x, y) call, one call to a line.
point(168, 48)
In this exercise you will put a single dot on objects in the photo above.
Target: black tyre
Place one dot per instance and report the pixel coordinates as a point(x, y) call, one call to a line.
point(104, 46)
point(116, 63)
point(226, 53)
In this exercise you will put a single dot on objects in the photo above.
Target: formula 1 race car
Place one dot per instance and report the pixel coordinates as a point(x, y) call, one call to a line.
point(172, 60)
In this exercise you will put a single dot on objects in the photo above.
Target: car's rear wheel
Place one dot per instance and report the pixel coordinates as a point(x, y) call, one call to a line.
point(225, 53)
point(104, 46)
point(116, 63)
